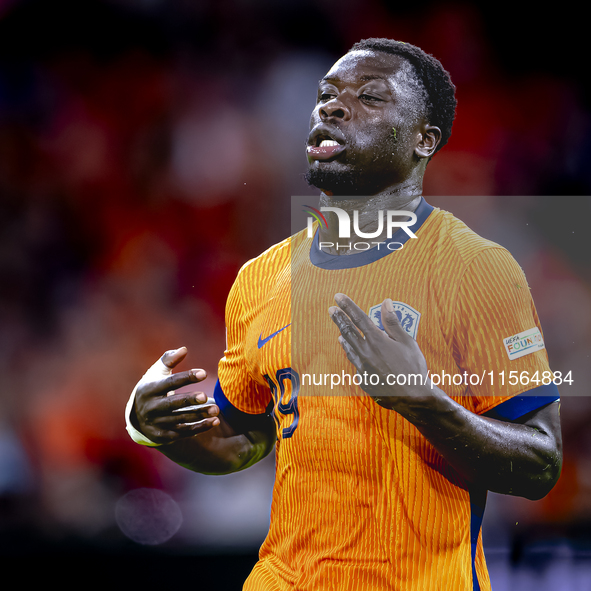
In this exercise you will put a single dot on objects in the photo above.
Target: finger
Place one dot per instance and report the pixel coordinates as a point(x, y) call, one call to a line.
point(189, 429)
point(390, 321)
point(200, 397)
point(346, 326)
point(163, 386)
point(351, 354)
point(172, 402)
point(189, 418)
point(357, 315)
point(177, 431)
point(173, 357)
point(163, 367)
point(184, 415)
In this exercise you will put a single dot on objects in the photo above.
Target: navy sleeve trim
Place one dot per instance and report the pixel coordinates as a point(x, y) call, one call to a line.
point(525, 403)
point(240, 421)
point(477, 505)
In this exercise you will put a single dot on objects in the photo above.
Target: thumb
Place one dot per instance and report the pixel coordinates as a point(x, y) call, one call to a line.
point(163, 367)
point(172, 358)
point(390, 321)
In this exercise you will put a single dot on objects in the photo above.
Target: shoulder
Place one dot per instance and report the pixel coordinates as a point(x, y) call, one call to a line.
point(462, 247)
point(274, 257)
point(260, 274)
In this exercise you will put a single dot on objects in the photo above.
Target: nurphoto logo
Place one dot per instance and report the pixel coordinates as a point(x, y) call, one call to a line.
point(389, 219)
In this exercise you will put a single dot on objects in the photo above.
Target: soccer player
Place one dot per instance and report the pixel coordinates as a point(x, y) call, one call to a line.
point(385, 377)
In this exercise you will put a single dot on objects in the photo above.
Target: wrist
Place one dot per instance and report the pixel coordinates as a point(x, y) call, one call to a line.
point(420, 404)
point(131, 428)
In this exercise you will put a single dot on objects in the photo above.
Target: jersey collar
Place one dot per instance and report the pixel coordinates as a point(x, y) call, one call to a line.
point(324, 260)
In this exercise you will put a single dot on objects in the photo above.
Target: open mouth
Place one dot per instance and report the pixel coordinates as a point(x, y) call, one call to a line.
point(324, 147)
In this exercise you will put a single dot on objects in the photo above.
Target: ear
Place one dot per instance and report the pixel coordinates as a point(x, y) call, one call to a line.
point(429, 139)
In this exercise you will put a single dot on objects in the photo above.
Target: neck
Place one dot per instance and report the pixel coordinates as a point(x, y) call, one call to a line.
point(365, 217)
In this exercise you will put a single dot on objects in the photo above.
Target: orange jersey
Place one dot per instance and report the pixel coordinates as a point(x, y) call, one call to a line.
point(362, 501)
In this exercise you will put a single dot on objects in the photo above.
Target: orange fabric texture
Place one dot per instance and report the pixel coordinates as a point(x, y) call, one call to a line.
point(361, 500)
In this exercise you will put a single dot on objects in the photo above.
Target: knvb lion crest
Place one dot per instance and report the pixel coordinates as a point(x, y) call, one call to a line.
point(408, 317)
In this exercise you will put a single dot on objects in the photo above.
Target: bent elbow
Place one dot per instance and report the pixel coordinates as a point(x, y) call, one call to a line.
point(545, 480)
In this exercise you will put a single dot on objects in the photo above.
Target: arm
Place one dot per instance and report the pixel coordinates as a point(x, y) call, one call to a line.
point(521, 458)
point(188, 427)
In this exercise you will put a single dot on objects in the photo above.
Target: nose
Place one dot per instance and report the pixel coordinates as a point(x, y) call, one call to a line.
point(335, 108)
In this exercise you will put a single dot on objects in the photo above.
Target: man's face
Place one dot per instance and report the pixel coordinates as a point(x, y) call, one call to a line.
point(365, 126)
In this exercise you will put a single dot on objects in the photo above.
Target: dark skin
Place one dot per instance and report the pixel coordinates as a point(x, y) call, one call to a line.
point(361, 100)
point(522, 458)
point(200, 438)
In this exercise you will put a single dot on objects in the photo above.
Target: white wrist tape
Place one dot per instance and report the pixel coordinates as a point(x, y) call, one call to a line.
point(155, 373)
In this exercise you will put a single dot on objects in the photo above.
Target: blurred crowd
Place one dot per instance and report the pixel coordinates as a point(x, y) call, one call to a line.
point(149, 148)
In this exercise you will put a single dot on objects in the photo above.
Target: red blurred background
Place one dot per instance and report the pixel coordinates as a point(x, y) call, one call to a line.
point(148, 148)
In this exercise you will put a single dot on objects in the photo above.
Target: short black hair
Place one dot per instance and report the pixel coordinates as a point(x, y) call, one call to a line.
point(440, 90)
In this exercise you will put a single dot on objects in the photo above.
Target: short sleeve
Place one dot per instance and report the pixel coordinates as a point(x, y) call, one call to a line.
point(237, 394)
point(498, 339)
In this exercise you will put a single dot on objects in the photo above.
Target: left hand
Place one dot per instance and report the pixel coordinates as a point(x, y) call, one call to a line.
point(380, 355)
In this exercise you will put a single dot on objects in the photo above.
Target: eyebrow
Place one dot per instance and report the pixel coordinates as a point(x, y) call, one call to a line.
point(364, 78)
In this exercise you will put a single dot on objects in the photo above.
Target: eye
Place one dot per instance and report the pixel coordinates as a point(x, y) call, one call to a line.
point(326, 96)
point(370, 98)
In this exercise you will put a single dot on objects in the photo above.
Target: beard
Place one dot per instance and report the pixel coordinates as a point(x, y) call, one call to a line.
point(336, 182)
point(345, 182)
point(353, 175)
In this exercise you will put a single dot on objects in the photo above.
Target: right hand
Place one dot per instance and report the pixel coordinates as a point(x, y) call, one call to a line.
point(157, 407)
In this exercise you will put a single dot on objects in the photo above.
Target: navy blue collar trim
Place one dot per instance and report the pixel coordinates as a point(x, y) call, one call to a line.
point(349, 261)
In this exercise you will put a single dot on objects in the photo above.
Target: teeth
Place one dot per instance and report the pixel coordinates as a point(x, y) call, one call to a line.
point(326, 143)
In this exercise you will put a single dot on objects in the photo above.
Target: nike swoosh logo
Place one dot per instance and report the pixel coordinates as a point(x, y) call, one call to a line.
point(266, 340)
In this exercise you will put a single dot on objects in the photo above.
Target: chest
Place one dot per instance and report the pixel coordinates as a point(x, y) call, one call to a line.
point(291, 327)
point(292, 343)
